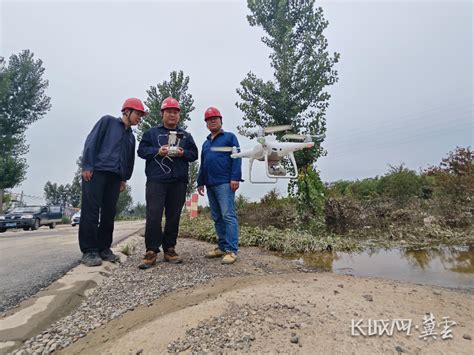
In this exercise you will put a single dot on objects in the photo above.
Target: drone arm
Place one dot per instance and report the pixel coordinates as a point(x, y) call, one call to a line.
point(236, 173)
point(250, 169)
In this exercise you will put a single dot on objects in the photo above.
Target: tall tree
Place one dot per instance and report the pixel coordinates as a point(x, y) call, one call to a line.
point(193, 175)
point(22, 102)
point(55, 194)
point(125, 200)
point(176, 87)
point(65, 195)
point(303, 69)
point(75, 190)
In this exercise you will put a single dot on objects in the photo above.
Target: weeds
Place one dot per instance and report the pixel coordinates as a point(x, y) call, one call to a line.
point(127, 249)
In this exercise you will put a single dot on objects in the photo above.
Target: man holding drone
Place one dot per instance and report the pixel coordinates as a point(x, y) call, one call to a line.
point(221, 175)
point(168, 150)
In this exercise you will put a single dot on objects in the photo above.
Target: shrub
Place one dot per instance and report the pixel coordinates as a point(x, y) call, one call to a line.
point(310, 197)
point(400, 184)
point(359, 189)
point(270, 197)
point(241, 201)
point(453, 182)
point(366, 188)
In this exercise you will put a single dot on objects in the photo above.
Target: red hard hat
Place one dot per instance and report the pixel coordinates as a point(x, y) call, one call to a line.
point(170, 102)
point(212, 112)
point(134, 104)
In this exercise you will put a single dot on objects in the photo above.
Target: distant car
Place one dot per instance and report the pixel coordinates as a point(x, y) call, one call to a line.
point(31, 217)
point(76, 218)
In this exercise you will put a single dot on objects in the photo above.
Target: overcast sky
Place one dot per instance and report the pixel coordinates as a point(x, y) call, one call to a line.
point(405, 90)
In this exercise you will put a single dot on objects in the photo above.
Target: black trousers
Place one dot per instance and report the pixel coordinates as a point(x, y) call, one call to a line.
point(169, 197)
point(99, 194)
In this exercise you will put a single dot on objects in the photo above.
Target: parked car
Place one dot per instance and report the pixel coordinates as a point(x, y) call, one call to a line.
point(76, 218)
point(31, 217)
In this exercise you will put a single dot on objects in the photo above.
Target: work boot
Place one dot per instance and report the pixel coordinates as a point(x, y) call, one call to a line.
point(229, 258)
point(215, 253)
point(108, 255)
point(171, 256)
point(91, 259)
point(148, 260)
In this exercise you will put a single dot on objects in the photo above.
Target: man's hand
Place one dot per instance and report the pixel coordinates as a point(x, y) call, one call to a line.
point(123, 185)
point(234, 185)
point(180, 152)
point(87, 175)
point(163, 150)
point(201, 190)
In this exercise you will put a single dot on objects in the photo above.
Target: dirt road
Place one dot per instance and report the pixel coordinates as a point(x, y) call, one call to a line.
point(269, 305)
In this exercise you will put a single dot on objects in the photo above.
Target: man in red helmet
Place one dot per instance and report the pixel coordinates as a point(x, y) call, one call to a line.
point(221, 175)
point(107, 163)
point(168, 149)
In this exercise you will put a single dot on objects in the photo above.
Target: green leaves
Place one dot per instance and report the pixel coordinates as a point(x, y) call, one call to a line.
point(22, 102)
point(303, 69)
point(56, 194)
point(176, 87)
point(125, 200)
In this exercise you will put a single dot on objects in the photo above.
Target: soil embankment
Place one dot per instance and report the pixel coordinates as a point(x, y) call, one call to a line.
point(267, 304)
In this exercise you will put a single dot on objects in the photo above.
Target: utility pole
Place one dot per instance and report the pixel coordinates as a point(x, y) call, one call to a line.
point(21, 199)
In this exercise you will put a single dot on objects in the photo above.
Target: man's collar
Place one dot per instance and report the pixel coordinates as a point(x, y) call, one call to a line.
point(120, 119)
point(220, 132)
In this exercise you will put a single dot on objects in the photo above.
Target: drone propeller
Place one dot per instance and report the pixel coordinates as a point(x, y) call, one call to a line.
point(298, 137)
point(306, 138)
point(273, 129)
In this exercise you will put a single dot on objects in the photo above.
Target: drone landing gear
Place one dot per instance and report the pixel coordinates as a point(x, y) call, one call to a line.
point(276, 171)
point(272, 181)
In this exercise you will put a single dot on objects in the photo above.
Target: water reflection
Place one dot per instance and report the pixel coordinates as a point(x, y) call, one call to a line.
point(455, 259)
point(444, 266)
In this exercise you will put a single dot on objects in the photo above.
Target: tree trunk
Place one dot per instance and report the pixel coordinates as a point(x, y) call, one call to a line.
point(1, 201)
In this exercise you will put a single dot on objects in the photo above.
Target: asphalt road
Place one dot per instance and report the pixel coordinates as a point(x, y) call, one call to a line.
point(31, 260)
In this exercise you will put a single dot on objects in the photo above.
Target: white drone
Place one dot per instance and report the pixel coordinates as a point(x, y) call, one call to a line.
point(272, 152)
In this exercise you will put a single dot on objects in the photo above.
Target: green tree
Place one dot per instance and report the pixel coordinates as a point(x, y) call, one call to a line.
point(311, 198)
point(453, 182)
point(55, 194)
point(125, 200)
point(303, 68)
point(139, 210)
point(176, 87)
point(22, 102)
point(193, 175)
point(75, 190)
point(400, 183)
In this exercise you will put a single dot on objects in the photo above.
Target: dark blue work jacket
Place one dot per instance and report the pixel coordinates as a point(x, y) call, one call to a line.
point(218, 167)
point(110, 147)
point(164, 169)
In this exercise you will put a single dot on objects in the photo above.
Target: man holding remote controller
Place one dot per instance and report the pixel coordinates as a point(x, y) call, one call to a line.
point(168, 150)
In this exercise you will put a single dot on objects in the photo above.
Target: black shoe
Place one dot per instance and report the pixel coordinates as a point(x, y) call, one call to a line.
point(91, 259)
point(108, 255)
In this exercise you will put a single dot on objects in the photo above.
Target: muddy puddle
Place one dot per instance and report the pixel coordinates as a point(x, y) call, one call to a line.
point(444, 266)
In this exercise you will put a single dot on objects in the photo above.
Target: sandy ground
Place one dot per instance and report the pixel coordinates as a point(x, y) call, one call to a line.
point(283, 310)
